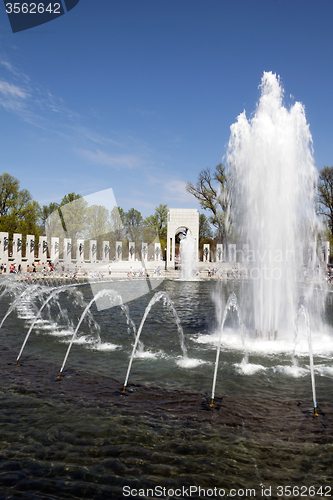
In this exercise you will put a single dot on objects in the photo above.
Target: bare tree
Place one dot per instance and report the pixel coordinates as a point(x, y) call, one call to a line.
point(213, 190)
point(325, 196)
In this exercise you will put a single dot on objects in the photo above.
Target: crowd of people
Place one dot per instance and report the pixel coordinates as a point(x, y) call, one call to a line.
point(46, 267)
point(143, 273)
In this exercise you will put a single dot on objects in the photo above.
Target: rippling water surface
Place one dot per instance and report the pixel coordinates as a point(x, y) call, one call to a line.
point(84, 439)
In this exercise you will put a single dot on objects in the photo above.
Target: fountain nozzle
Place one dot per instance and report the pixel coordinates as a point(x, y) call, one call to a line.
point(315, 411)
point(124, 389)
point(212, 403)
point(59, 376)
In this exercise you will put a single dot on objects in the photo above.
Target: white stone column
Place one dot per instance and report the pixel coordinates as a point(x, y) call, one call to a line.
point(173, 250)
point(232, 252)
point(30, 249)
point(168, 255)
point(79, 251)
point(106, 252)
point(4, 242)
point(219, 253)
point(54, 254)
point(42, 249)
point(131, 251)
point(67, 251)
point(157, 251)
point(312, 254)
point(92, 250)
point(326, 251)
point(206, 252)
point(17, 248)
point(119, 250)
point(246, 248)
point(144, 252)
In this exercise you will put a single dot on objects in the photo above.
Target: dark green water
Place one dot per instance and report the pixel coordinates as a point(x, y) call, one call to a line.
point(56, 446)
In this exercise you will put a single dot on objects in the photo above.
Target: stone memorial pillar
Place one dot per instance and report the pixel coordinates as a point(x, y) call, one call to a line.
point(4, 243)
point(54, 254)
point(92, 251)
point(30, 249)
point(106, 252)
point(157, 251)
point(119, 251)
point(326, 251)
point(131, 251)
point(17, 248)
point(219, 253)
point(144, 252)
point(246, 249)
point(67, 251)
point(206, 252)
point(42, 249)
point(312, 254)
point(232, 252)
point(79, 252)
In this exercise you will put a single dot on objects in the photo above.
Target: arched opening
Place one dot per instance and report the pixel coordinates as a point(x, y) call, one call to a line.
point(180, 234)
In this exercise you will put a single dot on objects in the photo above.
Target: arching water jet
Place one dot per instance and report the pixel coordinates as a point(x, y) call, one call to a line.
point(115, 299)
point(157, 297)
point(231, 305)
point(27, 292)
point(53, 293)
point(303, 317)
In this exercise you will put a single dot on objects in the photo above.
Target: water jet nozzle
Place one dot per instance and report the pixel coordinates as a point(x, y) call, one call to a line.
point(212, 403)
point(124, 389)
point(59, 376)
point(16, 362)
point(315, 411)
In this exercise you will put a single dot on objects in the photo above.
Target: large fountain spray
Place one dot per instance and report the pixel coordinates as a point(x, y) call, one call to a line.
point(270, 156)
point(188, 255)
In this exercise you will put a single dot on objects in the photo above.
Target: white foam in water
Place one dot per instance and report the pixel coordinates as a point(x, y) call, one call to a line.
point(292, 370)
point(148, 355)
point(47, 326)
point(190, 362)
point(26, 316)
point(41, 323)
point(84, 340)
point(231, 339)
point(61, 333)
point(106, 346)
point(245, 368)
point(324, 371)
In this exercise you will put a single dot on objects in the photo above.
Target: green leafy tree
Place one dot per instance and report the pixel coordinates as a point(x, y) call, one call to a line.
point(73, 214)
point(46, 212)
point(158, 222)
point(205, 231)
point(68, 220)
point(19, 213)
point(133, 225)
point(97, 220)
point(116, 225)
point(69, 198)
point(214, 192)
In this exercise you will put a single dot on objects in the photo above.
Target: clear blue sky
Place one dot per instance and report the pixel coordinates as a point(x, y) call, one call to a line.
point(139, 95)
